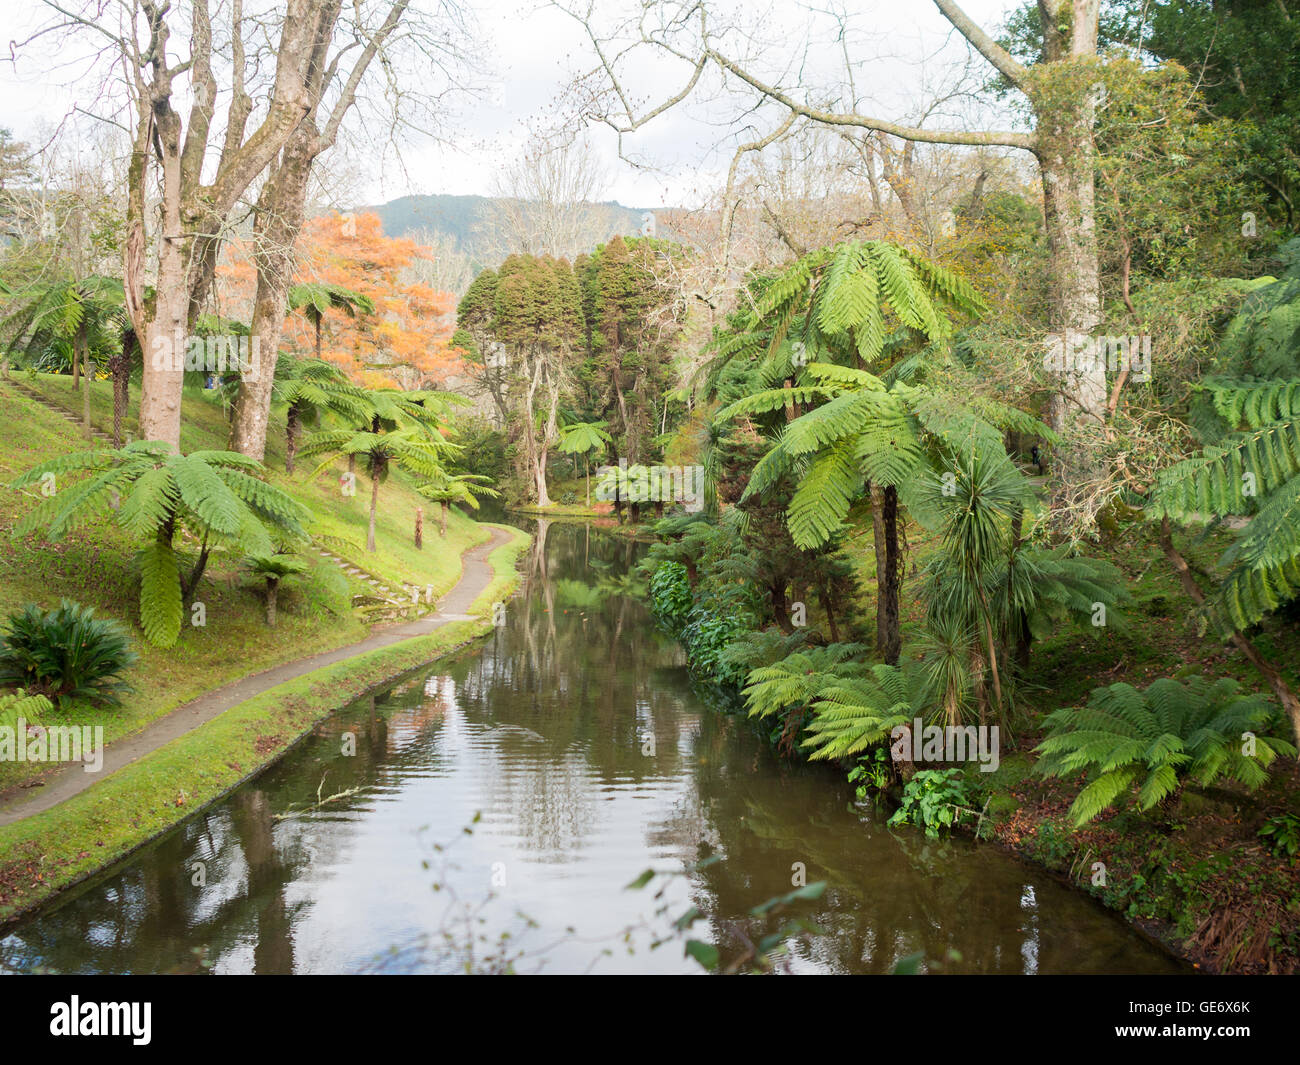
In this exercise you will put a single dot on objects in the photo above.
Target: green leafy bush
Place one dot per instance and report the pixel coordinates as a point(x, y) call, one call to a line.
point(1160, 738)
point(873, 773)
point(1282, 833)
point(670, 594)
point(706, 636)
point(933, 800)
point(66, 654)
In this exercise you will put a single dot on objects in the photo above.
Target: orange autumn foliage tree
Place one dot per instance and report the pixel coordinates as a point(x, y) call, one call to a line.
point(405, 344)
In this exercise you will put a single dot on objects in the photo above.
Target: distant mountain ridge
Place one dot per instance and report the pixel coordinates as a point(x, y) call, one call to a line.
point(463, 218)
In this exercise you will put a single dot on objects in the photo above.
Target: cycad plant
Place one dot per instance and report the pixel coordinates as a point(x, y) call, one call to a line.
point(411, 449)
point(274, 569)
point(449, 488)
point(66, 653)
point(217, 497)
point(1158, 739)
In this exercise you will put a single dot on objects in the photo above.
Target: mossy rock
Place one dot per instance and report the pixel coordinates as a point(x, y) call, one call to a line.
point(1194, 804)
point(1001, 807)
point(1156, 606)
point(1014, 768)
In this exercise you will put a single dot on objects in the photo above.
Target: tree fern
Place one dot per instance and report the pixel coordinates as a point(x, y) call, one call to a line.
point(797, 680)
point(160, 594)
point(215, 495)
point(856, 713)
point(19, 705)
point(1160, 738)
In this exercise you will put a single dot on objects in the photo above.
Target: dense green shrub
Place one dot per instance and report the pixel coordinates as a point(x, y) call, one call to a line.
point(705, 638)
point(670, 594)
point(66, 654)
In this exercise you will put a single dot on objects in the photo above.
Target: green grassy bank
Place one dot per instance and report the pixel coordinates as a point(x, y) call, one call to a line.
point(47, 853)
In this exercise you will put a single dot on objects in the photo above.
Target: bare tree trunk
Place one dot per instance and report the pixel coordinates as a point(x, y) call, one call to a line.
point(279, 217)
point(281, 206)
point(1068, 199)
point(196, 199)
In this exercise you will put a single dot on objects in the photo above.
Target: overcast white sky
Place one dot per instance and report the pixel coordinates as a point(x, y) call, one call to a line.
point(534, 49)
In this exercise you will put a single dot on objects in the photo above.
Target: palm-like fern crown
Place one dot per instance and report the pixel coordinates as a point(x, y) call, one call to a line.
point(1158, 737)
point(797, 680)
point(51, 314)
point(858, 300)
point(458, 488)
point(1251, 467)
point(579, 438)
point(218, 495)
point(428, 409)
point(277, 566)
point(315, 385)
point(30, 708)
point(410, 448)
point(314, 299)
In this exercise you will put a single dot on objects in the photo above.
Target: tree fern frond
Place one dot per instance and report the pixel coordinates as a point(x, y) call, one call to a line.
point(160, 595)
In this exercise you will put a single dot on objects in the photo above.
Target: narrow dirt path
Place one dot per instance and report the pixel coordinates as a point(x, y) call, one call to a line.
point(72, 779)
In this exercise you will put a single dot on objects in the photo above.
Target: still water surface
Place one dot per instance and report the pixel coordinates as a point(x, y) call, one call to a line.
point(541, 734)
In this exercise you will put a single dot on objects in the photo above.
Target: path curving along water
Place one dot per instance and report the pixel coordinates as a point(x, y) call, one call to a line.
point(476, 575)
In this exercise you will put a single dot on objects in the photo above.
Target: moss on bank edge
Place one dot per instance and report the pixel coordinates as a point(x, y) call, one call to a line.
point(504, 561)
point(47, 853)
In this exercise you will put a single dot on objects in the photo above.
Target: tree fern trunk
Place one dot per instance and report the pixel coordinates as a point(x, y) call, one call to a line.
point(85, 399)
point(884, 521)
point(374, 507)
point(81, 357)
point(272, 591)
point(120, 368)
point(292, 428)
point(443, 521)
